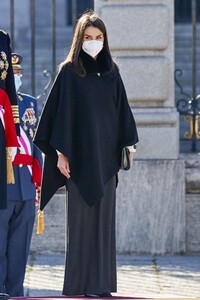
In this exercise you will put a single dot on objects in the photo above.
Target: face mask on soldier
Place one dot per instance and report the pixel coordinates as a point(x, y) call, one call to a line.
point(18, 82)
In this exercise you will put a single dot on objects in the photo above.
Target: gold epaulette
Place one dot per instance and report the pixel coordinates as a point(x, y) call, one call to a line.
point(15, 112)
point(4, 32)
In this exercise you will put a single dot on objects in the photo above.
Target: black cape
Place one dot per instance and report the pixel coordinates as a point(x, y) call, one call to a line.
point(89, 120)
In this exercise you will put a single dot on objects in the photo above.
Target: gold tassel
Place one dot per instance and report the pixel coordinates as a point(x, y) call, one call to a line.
point(40, 213)
point(9, 167)
point(40, 222)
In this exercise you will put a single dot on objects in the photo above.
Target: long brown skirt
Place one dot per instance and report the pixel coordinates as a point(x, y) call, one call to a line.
point(90, 266)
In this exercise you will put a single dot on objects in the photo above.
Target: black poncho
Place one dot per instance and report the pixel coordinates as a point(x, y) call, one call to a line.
point(89, 120)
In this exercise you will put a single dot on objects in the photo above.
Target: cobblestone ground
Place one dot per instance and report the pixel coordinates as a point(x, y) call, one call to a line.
point(137, 275)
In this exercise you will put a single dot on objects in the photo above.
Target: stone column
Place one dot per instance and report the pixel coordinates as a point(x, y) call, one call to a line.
point(151, 203)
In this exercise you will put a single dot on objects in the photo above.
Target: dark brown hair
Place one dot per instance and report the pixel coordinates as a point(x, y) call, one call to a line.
point(88, 19)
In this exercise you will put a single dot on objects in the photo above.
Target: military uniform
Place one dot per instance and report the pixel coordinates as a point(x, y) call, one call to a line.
point(16, 222)
point(8, 110)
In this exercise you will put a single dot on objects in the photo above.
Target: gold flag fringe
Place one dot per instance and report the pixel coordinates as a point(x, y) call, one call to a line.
point(9, 167)
point(40, 222)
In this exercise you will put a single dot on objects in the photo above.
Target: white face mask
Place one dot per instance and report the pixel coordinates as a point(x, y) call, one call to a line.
point(92, 47)
point(18, 82)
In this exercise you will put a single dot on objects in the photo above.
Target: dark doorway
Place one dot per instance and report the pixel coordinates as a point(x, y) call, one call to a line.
point(76, 7)
point(187, 66)
point(84, 5)
point(183, 11)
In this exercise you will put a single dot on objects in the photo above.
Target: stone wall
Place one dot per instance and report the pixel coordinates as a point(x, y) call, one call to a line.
point(151, 211)
point(192, 179)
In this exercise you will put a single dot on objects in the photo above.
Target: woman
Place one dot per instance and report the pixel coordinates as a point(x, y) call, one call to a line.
point(8, 111)
point(84, 126)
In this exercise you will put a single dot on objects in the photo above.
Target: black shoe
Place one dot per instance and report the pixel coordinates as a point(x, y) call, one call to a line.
point(105, 295)
point(91, 296)
point(4, 296)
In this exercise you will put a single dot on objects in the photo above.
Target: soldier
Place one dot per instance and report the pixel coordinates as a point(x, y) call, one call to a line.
point(16, 222)
point(8, 116)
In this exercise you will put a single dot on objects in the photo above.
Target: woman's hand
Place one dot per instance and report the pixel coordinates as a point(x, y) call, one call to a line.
point(63, 165)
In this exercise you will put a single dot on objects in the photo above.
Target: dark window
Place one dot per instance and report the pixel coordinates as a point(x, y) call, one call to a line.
point(183, 10)
point(75, 9)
